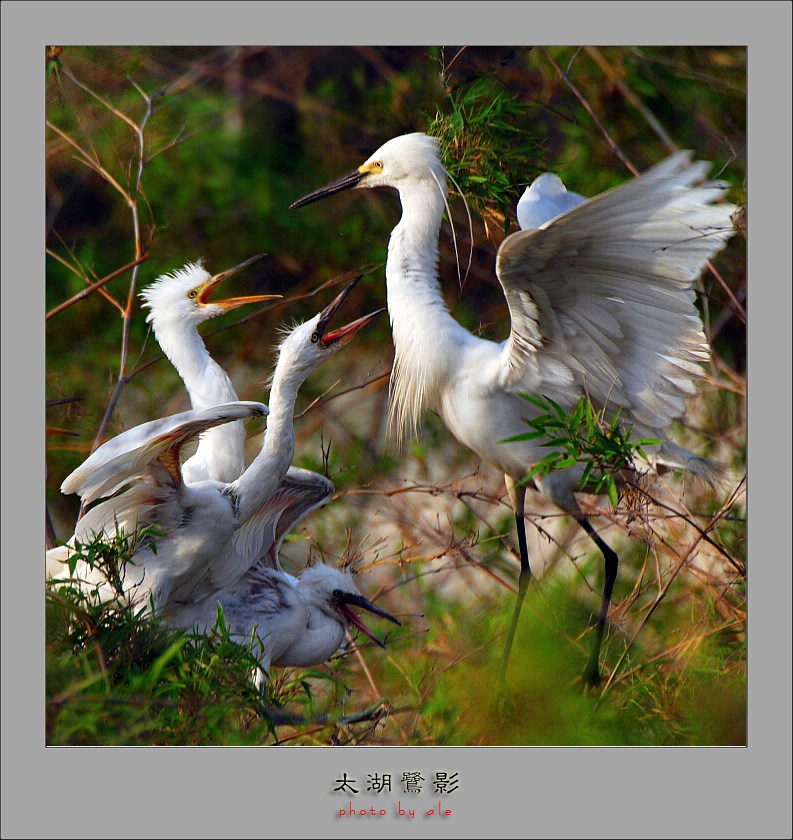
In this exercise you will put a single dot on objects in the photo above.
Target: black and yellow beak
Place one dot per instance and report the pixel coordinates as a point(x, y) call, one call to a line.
point(345, 183)
point(206, 289)
point(345, 600)
point(345, 333)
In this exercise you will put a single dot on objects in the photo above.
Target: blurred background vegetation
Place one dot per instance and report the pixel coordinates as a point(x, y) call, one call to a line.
point(170, 154)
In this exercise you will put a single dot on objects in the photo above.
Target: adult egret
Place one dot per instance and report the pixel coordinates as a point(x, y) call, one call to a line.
point(297, 621)
point(213, 531)
point(177, 304)
point(601, 302)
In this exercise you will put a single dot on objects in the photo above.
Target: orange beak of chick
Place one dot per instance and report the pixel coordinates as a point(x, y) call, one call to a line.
point(231, 303)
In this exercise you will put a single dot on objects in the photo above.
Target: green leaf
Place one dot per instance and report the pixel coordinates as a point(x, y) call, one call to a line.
point(539, 402)
point(566, 462)
point(524, 436)
point(611, 487)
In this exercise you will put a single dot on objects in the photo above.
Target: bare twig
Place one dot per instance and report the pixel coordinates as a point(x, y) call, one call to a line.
point(78, 270)
point(611, 74)
point(92, 163)
point(590, 110)
point(133, 206)
point(94, 286)
point(326, 397)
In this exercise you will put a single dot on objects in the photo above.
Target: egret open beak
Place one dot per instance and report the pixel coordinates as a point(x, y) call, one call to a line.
point(206, 289)
point(344, 334)
point(345, 183)
point(344, 600)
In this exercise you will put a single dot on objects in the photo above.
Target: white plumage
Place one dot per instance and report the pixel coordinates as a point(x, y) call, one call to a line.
point(601, 301)
point(294, 621)
point(213, 532)
point(196, 520)
point(545, 199)
point(178, 303)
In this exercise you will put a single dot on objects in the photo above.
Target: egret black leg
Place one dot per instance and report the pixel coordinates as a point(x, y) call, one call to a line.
point(517, 495)
point(592, 672)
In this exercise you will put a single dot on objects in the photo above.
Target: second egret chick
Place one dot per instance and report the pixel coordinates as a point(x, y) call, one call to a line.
point(269, 489)
point(297, 621)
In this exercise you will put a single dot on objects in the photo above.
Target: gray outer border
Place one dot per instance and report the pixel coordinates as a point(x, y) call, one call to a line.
point(544, 792)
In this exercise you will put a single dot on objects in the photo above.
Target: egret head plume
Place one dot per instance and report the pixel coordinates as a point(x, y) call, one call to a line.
point(184, 295)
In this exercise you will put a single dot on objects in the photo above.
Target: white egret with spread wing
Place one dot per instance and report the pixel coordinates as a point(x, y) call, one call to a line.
point(196, 521)
point(601, 301)
point(244, 528)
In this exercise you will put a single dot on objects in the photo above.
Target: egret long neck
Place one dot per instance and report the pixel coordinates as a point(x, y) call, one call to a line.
point(220, 455)
point(425, 334)
point(206, 381)
point(267, 469)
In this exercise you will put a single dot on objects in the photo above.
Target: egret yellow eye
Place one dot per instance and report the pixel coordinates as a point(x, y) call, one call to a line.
point(192, 294)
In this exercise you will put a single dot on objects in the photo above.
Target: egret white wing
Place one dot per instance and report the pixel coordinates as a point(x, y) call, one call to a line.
point(302, 492)
point(602, 296)
point(156, 445)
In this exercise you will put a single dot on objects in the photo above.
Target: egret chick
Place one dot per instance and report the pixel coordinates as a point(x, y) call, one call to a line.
point(196, 520)
point(297, 621)
point(178, 303)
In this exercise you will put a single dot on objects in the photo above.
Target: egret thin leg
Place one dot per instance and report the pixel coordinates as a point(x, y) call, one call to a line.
point(517, 496)
point(592, 672)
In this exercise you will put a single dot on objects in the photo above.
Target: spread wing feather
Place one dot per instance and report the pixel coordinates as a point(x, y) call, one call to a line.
point(149, 448)
point(604, 292)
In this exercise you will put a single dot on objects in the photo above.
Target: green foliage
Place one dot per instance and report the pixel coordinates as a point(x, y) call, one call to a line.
point(485, 145)
point(541, 704)
point(116, 674)
point(584, 438)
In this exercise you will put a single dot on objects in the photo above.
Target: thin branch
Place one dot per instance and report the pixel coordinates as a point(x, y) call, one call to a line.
point(324, 398)
point(588, 108)
point(93, 163)
point(110, 107)
point(94, 286)
point(611, 74)
point(78, 270)
point(739, 311)
point(63, 401)
point(122, 373)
